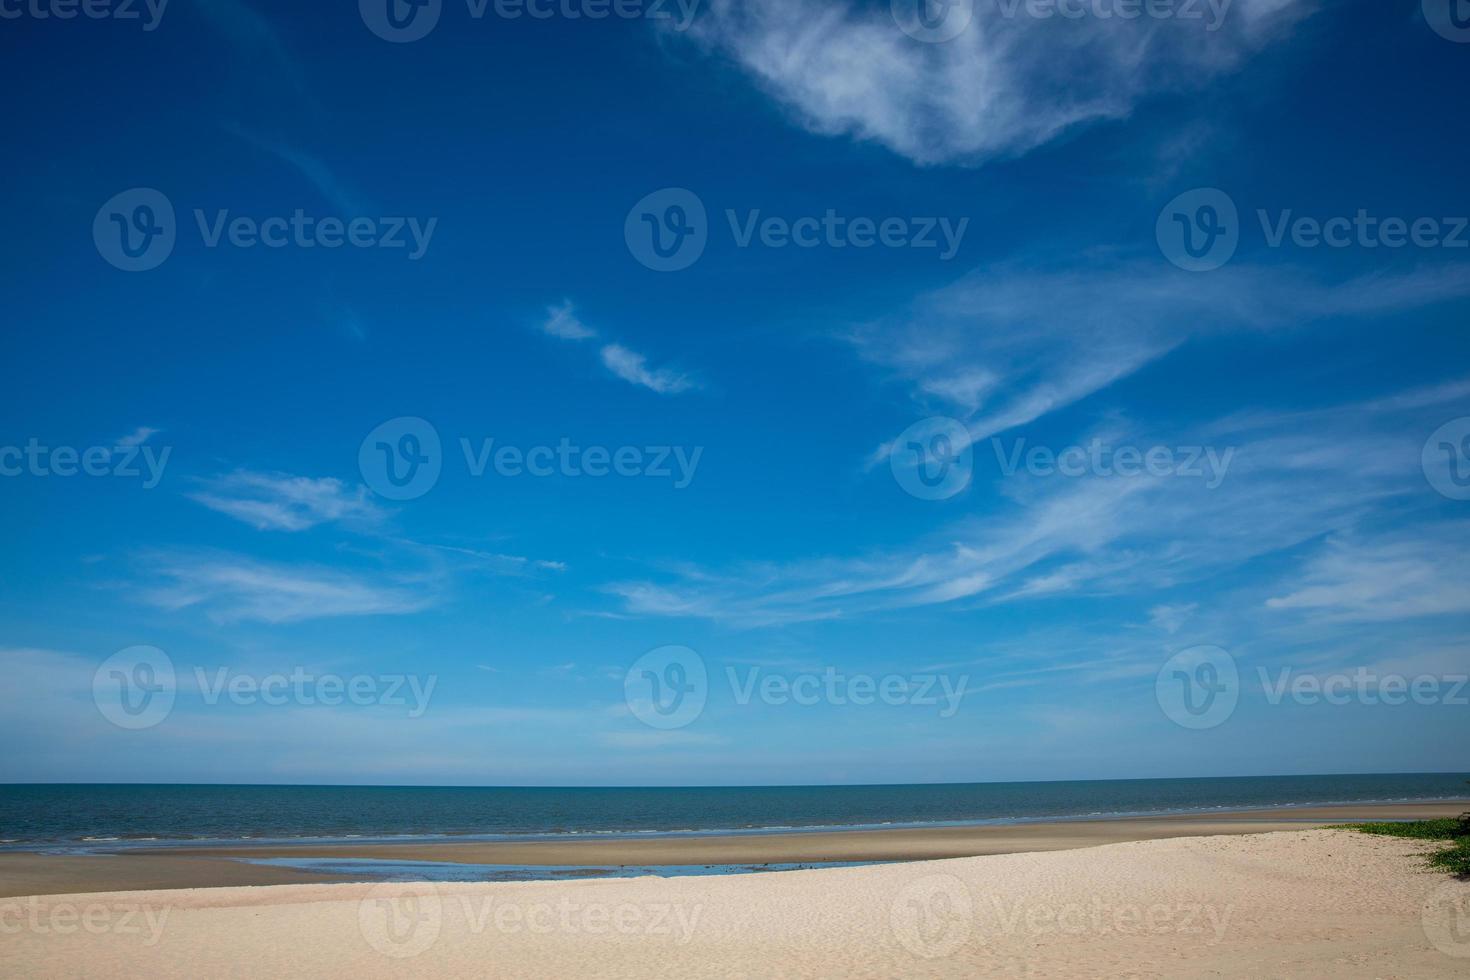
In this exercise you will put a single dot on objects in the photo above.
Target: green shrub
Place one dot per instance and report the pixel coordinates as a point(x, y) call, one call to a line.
point(1454, 859)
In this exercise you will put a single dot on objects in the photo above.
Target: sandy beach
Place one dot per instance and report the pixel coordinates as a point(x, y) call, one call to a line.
point(1304, 903)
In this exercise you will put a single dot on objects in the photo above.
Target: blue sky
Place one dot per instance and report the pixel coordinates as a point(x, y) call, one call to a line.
point(772, 382)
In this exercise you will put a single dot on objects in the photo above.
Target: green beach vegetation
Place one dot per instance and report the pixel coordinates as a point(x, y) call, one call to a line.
point(1456, 830)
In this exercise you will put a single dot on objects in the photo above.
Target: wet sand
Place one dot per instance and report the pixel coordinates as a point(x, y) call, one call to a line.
point(41, 874)
point(60, 874)
point(911, 844)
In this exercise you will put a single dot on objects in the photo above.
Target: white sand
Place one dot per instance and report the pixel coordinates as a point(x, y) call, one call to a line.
point(1313, 903)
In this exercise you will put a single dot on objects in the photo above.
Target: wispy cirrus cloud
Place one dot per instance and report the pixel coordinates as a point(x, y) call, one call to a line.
point(137, 437)
point(253, 36)
point(1294, 478)
point(633, 368)
point(281, 502)
point(562, 322)
point(316, 171)
point(1365, 577)
point(1004, 347)
point(234, 588)
point(993, 90)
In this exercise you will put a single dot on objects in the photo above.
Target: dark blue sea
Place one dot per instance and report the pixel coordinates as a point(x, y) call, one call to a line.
point(81, 817)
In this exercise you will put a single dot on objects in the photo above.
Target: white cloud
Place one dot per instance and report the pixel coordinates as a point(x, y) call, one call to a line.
point(1293, 479)
point(1407, 574)
point(1005, 347)
point(994, 90)
point(280, 502)
point(232, 588)
point(1170, 618)
point(561, 321)
point(633, 368)
point(137, 437)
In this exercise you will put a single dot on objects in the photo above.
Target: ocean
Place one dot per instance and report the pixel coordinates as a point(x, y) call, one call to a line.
point(74, 818)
